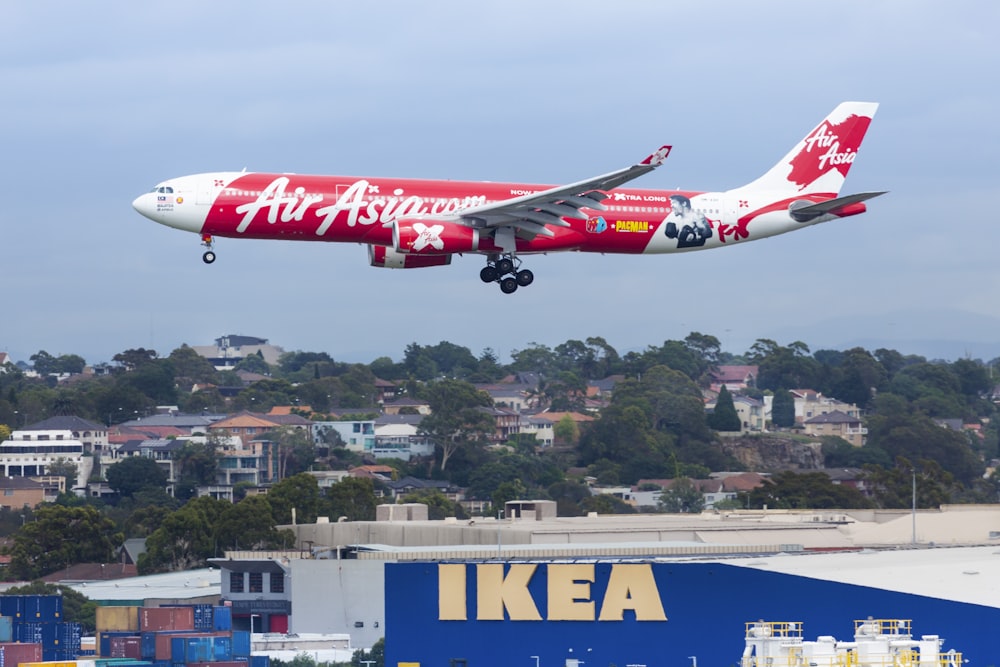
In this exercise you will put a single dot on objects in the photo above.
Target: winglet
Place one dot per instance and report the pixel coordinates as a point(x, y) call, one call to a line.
point(657, 158)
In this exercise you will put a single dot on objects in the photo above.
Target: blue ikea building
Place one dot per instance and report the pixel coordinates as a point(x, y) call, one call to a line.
point(651, 612)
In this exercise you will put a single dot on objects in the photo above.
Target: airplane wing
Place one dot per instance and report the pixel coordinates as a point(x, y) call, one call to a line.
point(803, 211)
point(531, 215)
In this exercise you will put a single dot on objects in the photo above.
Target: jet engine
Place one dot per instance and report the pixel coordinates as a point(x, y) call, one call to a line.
point(387, 258)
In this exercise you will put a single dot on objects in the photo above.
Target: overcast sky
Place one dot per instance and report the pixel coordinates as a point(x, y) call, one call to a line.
point(100, 101)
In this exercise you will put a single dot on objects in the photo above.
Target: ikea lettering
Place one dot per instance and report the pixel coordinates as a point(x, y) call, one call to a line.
point(569, 591)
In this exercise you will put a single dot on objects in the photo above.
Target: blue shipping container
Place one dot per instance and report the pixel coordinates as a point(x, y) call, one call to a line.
point(43, 608)
point(241, 644)
point(28, 633)
point(260, 661)
point(6, 629)
point(222, 618)
point(12, 605)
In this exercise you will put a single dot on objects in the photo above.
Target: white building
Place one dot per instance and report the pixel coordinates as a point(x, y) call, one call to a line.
point(30, 453)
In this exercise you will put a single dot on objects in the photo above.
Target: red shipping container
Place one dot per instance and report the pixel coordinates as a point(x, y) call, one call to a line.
point(16, 653)
point(163, 647)
point(158, 619)
point(126, 647)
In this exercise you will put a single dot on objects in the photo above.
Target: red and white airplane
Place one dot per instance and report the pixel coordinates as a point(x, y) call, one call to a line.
point(412, 223)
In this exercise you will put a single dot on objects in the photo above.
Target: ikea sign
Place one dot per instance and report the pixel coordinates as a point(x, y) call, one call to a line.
point(570, 593)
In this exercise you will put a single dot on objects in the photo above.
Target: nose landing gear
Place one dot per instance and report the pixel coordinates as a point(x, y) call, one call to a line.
point(207, 241)
point(504, 269)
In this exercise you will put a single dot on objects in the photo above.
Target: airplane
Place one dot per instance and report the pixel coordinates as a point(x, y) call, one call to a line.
point(413, 223)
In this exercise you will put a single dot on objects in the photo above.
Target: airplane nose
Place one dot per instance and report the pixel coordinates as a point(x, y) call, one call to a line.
point(142, 205)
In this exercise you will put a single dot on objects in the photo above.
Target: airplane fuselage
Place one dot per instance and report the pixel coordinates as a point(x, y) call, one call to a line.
point(364, 210)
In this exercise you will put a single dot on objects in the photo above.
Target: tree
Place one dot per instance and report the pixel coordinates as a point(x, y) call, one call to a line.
point(299, 492)
point(439, 506)
point(197, 465)
point(134, 358)
point(457, 417)
point(134, 473)
point(375, 657)
point(186, 538)
point(352, 497)
point(810, 490)
point(724, 417)
point(61, 536)
point(683, 497)
point(783, 409)
point(248, 524)
point(64, 468)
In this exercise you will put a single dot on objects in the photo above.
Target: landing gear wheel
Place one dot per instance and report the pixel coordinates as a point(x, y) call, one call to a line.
point(524, 277)
point(208, 257)
point(489, 274)
point(505, 266)
point(508, 285)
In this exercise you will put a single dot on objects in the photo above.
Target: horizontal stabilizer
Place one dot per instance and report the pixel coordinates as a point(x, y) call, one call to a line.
point(803, 210)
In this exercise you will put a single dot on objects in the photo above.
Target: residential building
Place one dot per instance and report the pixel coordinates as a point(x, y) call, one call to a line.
point(31, 453)
point(356, 435)
point(399, 437)
point(839, 424)
point(230, 350)
point(735, 378)
point(810, 403)
point(20, 492)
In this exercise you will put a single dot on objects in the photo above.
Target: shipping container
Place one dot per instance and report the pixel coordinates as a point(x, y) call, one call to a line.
point(50, 663)
point(43, 608)
point(28, 633)
point(126, 647)
point(201, 649)
point(260, 661)
point(12, 605)
point(241, 644)
point(65, 636)
point(104, 641)
point(163, 648)
point(222, 618)
point(120, 662)
point(6, 629)
point(12, 654)
point(117, 618)
point(157, 619)
point(277, 623)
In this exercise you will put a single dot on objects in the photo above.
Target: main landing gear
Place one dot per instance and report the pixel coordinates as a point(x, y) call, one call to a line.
point(504, 269)
point(209, 256)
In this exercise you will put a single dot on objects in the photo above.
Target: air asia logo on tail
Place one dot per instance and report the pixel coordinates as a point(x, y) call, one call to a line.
point(830, 146)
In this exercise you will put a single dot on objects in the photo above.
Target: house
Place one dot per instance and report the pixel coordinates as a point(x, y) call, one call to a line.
point(30, 454)
point(19, 492)
point(810, 403)
point(406, 405)
point(94, 436)
point(230, 350)
point(357, 435)
point(399, 437)
point(249, 425)
point(735, 378)
point(403, 487)
point(839, 424)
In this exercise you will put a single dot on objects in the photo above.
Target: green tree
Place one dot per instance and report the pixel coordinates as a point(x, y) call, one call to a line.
point(186, 538)
point(683, 497)
point(129, 360)
point(299, 492)
point(724, 417)
point(248, 524)
point(783, 409)
point(810, 490)
point(61, 536)
point(64, 468)
point(457, 417)
point(375, 657)
point(134, 473)
point(352, 497)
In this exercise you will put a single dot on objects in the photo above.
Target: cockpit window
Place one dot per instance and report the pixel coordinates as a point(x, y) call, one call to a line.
point(163, 189)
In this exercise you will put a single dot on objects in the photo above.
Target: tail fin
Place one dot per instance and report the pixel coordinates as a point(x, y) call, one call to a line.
point(819, 163)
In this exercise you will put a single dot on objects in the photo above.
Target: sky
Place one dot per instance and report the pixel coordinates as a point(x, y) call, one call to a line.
point(100, 101)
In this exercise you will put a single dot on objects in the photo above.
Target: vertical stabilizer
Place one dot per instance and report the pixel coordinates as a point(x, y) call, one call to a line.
point(820, 162)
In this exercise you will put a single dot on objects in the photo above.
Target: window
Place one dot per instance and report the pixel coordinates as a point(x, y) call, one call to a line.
point(256, 582)
point(235, 582)
point(277, 582)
